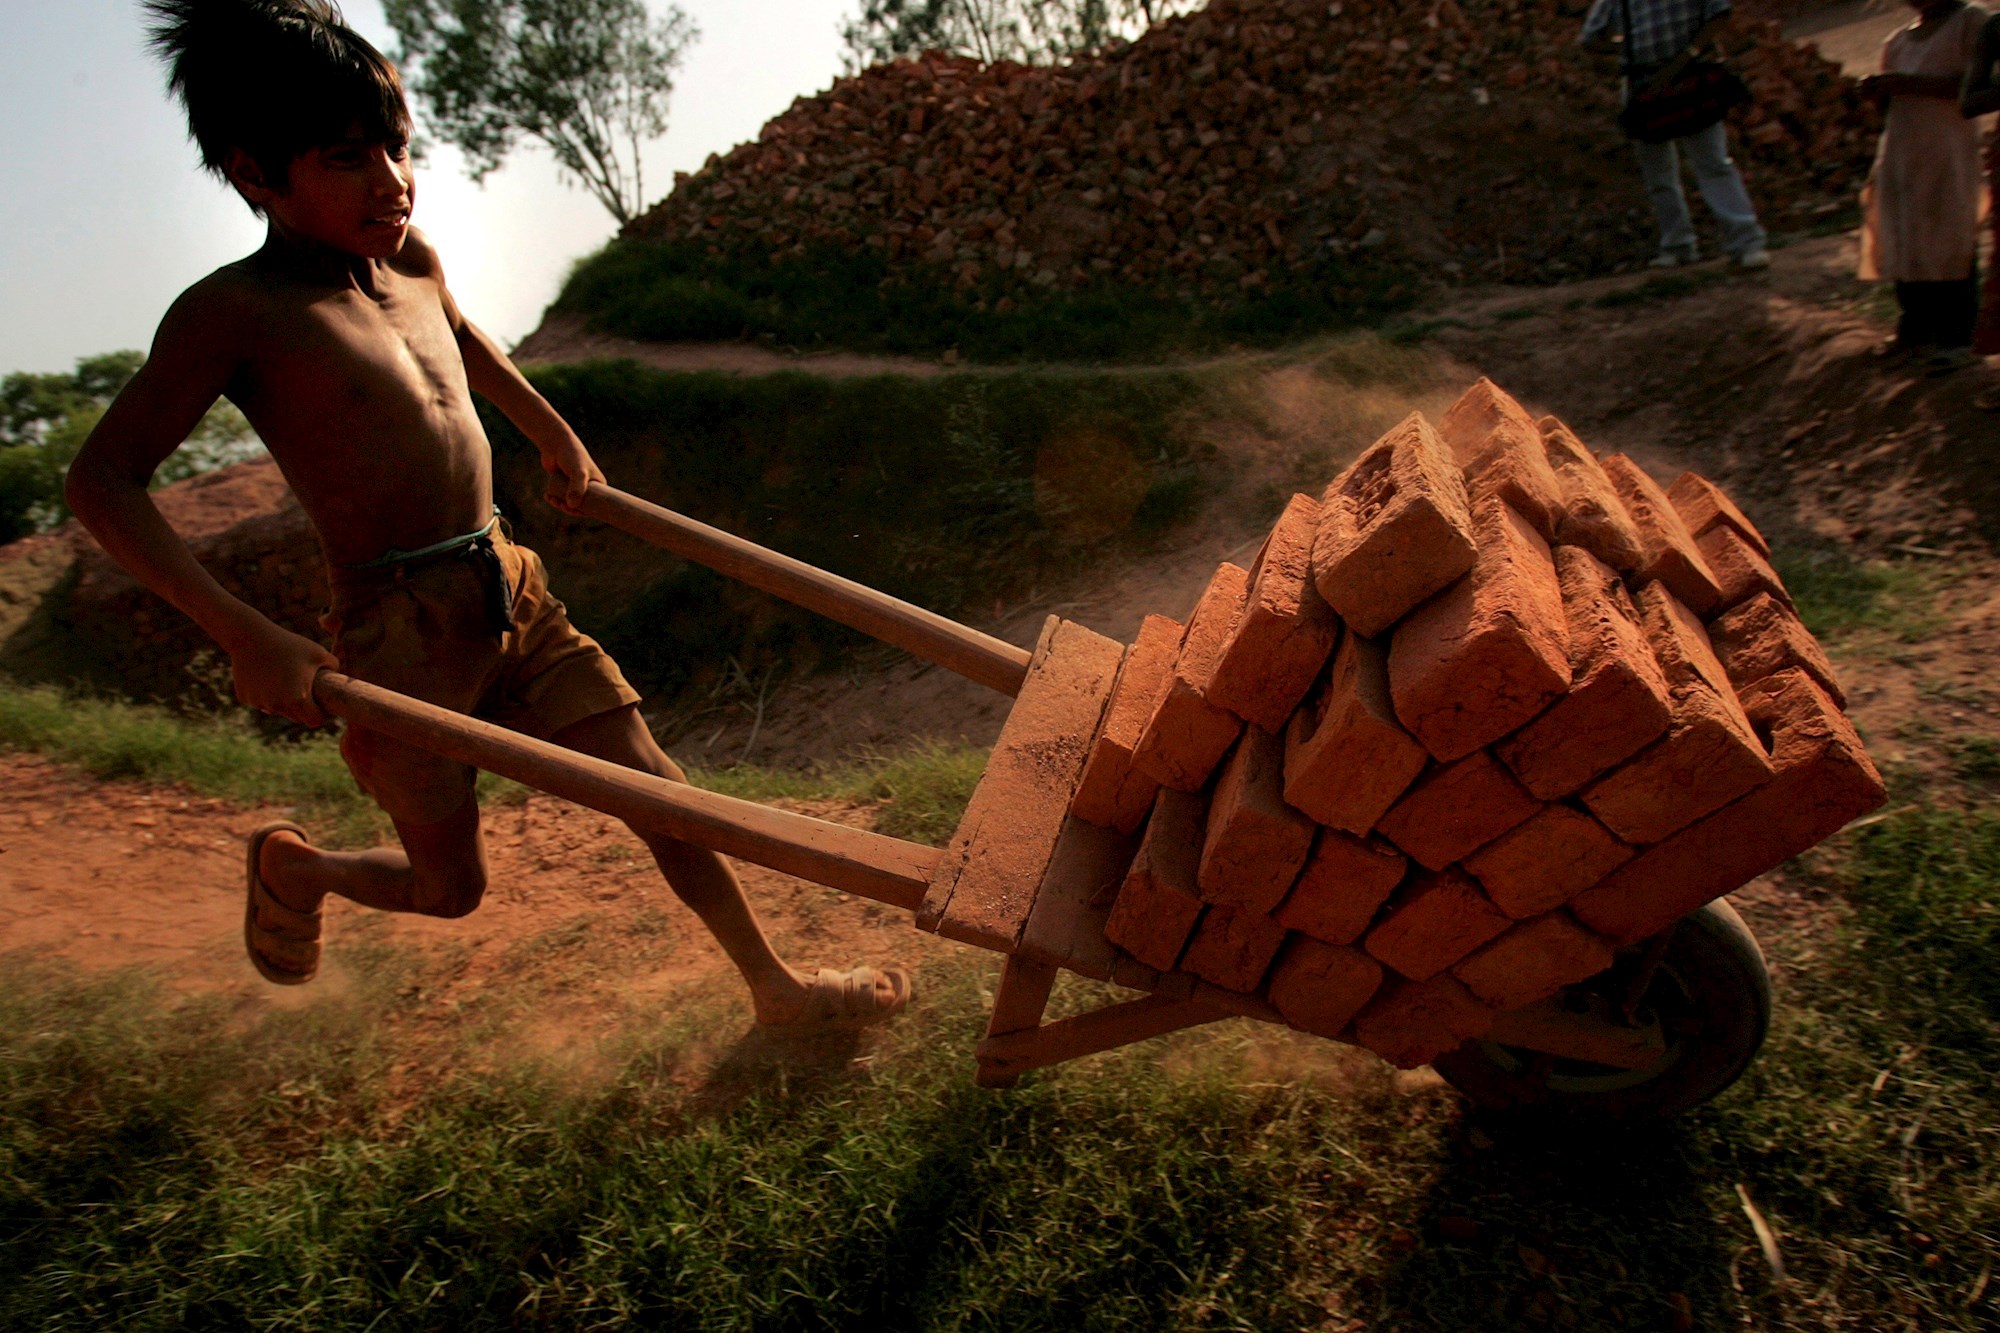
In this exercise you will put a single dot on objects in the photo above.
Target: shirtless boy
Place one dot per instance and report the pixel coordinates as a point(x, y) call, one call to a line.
point(340, 342)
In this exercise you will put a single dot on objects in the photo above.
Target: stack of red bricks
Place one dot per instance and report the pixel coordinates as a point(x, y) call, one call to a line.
point(1463, 140)
point(1489, 710)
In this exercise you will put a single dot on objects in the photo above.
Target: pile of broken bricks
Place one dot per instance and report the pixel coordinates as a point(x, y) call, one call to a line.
point(1487, 712)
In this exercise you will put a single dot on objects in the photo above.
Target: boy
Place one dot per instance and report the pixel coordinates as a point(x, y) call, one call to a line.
point(341, 344)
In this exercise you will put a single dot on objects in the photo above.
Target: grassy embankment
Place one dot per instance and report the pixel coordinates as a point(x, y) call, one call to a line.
point(163, 1165)
point(836, 298)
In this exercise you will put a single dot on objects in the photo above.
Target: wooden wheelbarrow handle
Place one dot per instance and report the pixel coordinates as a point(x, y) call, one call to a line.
point(978, 657)
point(856, 861)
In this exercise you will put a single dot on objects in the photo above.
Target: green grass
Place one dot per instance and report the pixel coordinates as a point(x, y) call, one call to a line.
point(922, 789)
point(839, 298)
point(1838, 596)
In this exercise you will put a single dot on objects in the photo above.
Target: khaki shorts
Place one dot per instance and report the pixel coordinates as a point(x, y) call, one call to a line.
point(429, 628)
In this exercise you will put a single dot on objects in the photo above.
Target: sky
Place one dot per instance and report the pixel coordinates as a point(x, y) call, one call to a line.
point(105, 215)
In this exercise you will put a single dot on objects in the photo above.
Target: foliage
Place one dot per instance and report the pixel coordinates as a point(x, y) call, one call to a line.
point(590, 79)
point(44, 420)
point(1025, 30)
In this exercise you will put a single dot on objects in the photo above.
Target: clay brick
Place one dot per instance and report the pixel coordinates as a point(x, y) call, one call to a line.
point(1113, 793)
point(1545, 862)
point(983, 886)
point(1319, 988)
point(1159, 901)
point(1482, 659)
point(1617, 702)
point(1233, 949)
point(1347, 759)
point(1671, 555)
point(1593, 516)
point(1703, 506)
point(1436, 921)
point(1393, 529)
point(1186, 736)
point(1763, 637)
point(1533, 961)
point(1411, 1024)
point(1344, 882)
point(1457, 809)
point(1498, 445)
point(1824, 779)
point(1255, 842)
point(1740, 570)
point(1681, 645)
point(1286, 632)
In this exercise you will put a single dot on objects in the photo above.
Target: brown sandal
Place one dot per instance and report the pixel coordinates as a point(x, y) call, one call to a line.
point(285, 951)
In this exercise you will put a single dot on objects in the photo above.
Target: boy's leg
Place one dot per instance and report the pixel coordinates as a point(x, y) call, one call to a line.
point(703, 880)
point(440, 870)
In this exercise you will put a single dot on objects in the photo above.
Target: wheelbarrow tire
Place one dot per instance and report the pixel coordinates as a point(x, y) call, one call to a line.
point(1712, 996)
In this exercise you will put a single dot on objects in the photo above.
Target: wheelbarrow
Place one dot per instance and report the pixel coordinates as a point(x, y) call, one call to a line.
point(1675, 1019)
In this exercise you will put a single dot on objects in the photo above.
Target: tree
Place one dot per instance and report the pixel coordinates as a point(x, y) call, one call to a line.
point(590, 79)
point(44, 420)
point(1037, 31)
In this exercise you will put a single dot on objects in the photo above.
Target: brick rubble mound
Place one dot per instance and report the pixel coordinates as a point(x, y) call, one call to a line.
point(1489, 710)
point(1461, 139)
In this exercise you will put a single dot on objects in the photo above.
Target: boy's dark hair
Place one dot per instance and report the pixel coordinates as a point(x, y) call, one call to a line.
point(274, 78)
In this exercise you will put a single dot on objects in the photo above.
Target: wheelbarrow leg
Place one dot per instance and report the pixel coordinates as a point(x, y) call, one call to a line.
point(1017, 1006)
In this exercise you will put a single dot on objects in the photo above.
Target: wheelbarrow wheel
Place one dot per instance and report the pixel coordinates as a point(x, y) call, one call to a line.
point(1710, 994)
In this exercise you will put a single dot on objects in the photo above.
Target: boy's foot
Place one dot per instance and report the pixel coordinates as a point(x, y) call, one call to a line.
point(283, 943)
point(1671, 259)
point(1755, 257)
point(1950, 360)
point(838, 1001)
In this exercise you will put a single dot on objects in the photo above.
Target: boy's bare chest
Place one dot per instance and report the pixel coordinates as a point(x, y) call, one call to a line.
point(348, 352)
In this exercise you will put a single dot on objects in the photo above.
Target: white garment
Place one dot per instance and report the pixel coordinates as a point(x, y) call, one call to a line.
point(1924, 199)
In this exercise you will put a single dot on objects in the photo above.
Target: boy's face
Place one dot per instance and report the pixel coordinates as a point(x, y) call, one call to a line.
point(354, 195)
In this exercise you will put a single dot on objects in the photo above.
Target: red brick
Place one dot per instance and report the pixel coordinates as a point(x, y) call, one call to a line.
point(1410, 1024)
point(1287, 630)
point(1545, 862)
point(1457, 809)
point(1344, 882)
point(1186, 736)
point(1393, 529)
point(1319, 988)
point(1233, 948)
point(1703, 506)
point(1763, 637)
point(1824, 779)
point(1347, 759)
point(1593, 515)
point(1256, 843)
point(1482, 659)
point(1498, 445)
point(1617, 701)
point(1113, 793)
point(1671, 555)
point(1740, 571)
point(1159, 901)
point(1436, 921)
point(1709, 756)
point(1533, 961)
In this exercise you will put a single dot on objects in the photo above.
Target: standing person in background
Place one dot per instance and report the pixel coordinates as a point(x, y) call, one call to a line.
point(1979, 95)
point(1920, 208)
point(1656, 38)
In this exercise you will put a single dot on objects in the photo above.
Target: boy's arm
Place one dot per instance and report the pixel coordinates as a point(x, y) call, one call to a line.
point(191, 363)
point(494, 377)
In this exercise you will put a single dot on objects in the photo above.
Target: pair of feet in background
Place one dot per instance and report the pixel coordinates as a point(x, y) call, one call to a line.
point(1757, 257)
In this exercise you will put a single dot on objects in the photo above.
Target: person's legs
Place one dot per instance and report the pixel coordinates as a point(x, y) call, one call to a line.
point(702, 879)
point(1723, 190)
point(1660, 169)
point(1913, 319)
point(1957, 311)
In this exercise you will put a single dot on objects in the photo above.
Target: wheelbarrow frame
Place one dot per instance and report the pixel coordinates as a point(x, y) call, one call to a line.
point(890, 870)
